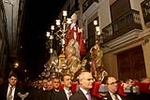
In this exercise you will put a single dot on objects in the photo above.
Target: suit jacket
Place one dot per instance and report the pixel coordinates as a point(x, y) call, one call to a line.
point(33, 93)
point(108, 96)
point(61, 95)
point(43, 94)
point(38, 94)
point(143, 96)
point(3, 92)
point(53, 94)
point(80, 96)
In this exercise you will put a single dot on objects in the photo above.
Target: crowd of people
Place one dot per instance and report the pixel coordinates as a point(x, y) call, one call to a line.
point(86, 88)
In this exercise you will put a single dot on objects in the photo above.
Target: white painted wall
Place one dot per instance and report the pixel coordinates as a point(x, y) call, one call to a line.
point(104, 13)
point(11, 10)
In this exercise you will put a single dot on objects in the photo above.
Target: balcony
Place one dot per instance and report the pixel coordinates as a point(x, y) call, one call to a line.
point(145, 5)
point(128, 22)
point(87, 4)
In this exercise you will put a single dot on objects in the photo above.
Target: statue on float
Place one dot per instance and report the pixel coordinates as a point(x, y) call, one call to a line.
point(96, 56)
point(97, 67)
point(76, 33)
point(75, 50)
point(72, 58)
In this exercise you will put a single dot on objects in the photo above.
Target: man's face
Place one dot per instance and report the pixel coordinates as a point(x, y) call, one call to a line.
point(56, 83)
point(12, 80)
point(112, 84)
point(45, 83)
point(87, 81)
point(49, 85)
point(67, 81)
point(74, 18)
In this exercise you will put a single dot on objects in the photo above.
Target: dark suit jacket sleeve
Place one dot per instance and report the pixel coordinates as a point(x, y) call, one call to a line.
point(61, 95)
point(78, 96)
point(108, 96)
point(3, 91)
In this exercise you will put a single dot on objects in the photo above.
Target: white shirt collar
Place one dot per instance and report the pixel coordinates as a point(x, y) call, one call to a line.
point(67, 91)
point(113, 96)
point(85, 92)
point(13, 91)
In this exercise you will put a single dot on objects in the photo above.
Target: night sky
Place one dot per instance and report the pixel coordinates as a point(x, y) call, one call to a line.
point(39, 16)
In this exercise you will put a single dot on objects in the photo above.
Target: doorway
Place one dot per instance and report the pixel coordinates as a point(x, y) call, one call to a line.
point(131, 64)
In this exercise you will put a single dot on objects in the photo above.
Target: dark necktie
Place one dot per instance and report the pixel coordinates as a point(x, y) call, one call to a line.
point(69, 94)
point(116, 97)
point(10, 93)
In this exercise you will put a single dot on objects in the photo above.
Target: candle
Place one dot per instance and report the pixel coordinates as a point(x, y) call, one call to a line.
point(97, 28)
point(51, 50)
point(64, 13)
point(52, 27)
point(95, 22)
point(63, 41)
point(98, 33)
point(68, 20)
point(47, 34)
point(51, 37)
point(57, 22)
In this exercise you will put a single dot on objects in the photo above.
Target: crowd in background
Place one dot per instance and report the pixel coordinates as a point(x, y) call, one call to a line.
point(64, 88)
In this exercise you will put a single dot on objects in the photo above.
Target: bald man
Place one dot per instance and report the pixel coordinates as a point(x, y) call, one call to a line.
point(86, 83)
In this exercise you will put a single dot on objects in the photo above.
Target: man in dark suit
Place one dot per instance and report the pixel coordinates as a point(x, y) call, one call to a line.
point(42, 93)
point(55, 88)
point(112, 85)
point(9, 90)
point(86, 83)
point(65, 93)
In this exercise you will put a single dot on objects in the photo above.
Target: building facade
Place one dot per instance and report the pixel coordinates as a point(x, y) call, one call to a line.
point(11, 17)
point(3, 39)
point(125, 33)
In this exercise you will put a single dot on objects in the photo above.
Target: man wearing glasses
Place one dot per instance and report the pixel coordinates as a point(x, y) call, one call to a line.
point(112, 85)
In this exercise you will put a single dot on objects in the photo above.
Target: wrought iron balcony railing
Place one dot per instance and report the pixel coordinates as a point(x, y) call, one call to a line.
point(87, 4)
point(129, 21)
point(146, 10)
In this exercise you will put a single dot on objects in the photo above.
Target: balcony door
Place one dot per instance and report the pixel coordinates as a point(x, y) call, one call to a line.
point(131, 64)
